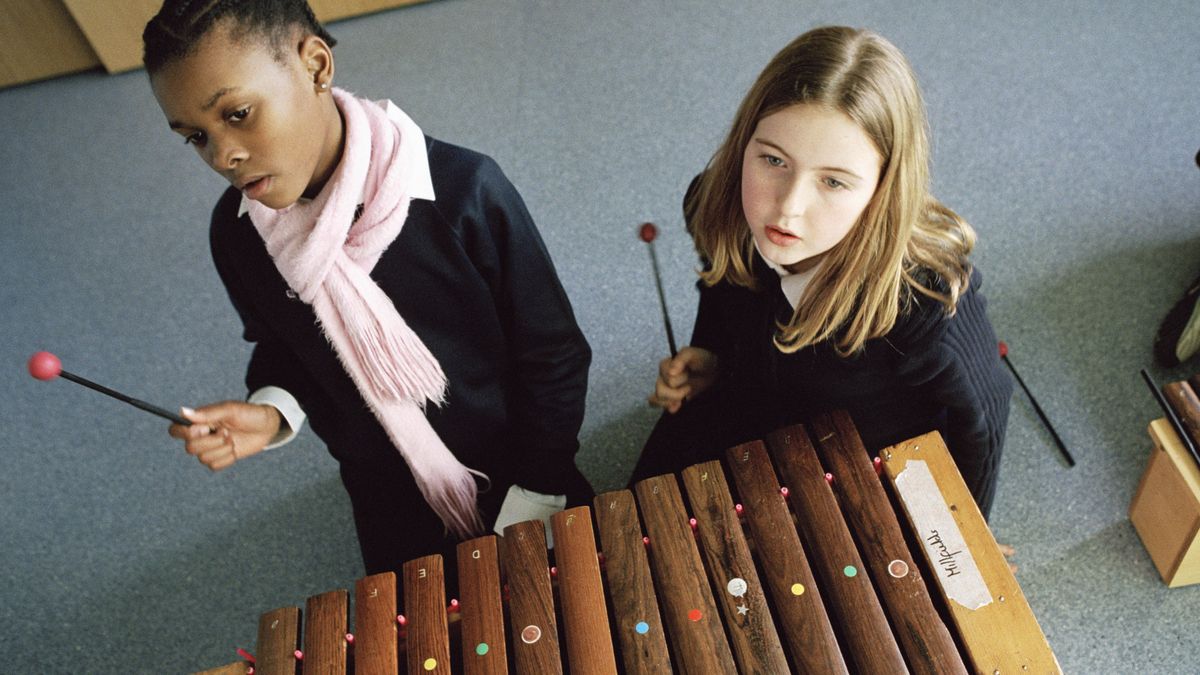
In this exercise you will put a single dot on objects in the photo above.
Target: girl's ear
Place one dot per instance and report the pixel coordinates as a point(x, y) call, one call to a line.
point(317, 58)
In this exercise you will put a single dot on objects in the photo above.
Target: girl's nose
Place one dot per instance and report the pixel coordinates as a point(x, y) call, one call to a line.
point(796, 197)
point(226, 156)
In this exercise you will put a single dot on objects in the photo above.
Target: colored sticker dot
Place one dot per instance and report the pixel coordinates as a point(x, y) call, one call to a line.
point(642, 628)
point(695, 615)
point(736, 587)
point(850, 571)
point(531, 634)
point(430, 664)
point(797, 589)
point(898, 569)
point(481, 648)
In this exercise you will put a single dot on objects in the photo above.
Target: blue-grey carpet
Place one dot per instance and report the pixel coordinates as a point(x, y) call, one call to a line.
point(1065, 132)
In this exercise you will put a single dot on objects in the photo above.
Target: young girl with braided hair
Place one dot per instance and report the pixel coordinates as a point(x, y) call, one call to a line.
point(396, 290)
point(831, 278)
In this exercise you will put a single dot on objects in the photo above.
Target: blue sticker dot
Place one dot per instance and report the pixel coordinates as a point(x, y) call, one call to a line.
point(642, 627)
point(850, 571)
point(481, 648)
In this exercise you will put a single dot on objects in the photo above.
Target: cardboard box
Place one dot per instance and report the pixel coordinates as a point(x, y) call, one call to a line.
point(47, 38)
point(1165, 510)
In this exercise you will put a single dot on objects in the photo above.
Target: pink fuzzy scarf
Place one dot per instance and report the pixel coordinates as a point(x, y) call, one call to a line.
point(326, 257)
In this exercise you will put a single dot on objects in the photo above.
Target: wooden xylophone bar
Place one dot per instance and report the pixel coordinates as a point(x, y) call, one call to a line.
point(816, 577)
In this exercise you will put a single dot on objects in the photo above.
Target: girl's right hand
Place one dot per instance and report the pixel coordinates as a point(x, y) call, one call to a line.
point(685, 376)
point(226, 432)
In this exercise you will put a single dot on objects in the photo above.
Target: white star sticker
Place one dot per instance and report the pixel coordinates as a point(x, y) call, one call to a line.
point(742, 609)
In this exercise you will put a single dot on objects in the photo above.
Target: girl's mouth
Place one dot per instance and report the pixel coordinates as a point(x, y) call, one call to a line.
point(780, 237)
point(257, 188)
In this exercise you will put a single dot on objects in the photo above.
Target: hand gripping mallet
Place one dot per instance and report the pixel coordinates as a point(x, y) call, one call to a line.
point(46, 366)
point(648, 233)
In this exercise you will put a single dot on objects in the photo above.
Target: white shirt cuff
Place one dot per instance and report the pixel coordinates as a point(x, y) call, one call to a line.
point(291, 415)
point(520, 505)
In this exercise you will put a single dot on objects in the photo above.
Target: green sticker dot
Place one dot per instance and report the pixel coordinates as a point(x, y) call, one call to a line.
point(850, 571)
point(481, 648)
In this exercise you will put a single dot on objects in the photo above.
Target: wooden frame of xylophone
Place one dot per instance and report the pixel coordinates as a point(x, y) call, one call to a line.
point(813, 577)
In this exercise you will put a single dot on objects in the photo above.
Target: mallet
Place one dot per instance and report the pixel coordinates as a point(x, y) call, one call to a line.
point(648, 233)
point(46, 366)
point(1037, 408)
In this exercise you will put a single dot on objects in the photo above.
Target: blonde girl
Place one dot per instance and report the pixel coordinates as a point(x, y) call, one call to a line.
point(832, 278)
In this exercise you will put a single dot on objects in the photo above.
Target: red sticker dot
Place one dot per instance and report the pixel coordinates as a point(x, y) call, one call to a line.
point(695, 615)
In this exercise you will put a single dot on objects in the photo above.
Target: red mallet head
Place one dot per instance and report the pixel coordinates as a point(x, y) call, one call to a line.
point(45, 366)
point(1003, 349)
point(648, 232)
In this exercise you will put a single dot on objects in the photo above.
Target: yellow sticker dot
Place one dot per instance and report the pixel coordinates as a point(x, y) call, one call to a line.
point(430, 664)
point(797, 589)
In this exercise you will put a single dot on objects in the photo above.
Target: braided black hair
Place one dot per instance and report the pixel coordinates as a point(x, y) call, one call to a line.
point(176, 30)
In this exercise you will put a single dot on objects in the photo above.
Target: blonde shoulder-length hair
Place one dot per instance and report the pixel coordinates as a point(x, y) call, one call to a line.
point(874, 273)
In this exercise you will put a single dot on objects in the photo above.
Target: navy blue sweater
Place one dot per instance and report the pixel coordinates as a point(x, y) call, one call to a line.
point(930, 372)
point(470, 274)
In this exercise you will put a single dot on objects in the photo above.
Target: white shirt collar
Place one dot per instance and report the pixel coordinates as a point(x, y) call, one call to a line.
point(412, 152)
point(791, 283)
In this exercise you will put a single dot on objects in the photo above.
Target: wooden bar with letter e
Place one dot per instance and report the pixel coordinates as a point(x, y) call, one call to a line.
point(425, 607)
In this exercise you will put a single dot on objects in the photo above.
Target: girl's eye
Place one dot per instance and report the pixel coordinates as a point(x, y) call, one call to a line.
point(772, 160)
point(194, 139)
point(834, 183)
point(239, 115)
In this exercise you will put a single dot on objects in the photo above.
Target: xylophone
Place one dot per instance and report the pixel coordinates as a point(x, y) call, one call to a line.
point(813, 577)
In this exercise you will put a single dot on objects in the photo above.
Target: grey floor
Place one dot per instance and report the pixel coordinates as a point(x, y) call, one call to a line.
point(1064, 132)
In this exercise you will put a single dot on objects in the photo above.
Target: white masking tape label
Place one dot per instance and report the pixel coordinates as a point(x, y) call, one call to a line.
point(945, 548)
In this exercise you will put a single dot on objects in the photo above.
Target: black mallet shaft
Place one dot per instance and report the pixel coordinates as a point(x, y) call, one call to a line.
point(1037, 408)
point(46, 366)
point(648, 232)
